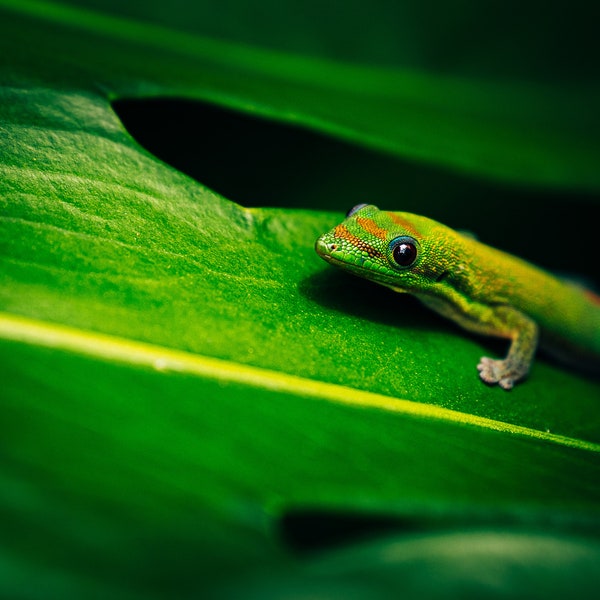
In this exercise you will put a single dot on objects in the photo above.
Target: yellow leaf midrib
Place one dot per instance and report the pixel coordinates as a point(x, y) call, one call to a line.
point(112, 348)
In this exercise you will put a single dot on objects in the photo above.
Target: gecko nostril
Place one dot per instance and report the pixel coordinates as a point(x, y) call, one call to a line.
point(333, 247)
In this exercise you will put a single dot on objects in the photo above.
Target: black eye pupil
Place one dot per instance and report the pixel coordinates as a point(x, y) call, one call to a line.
point(404, 254)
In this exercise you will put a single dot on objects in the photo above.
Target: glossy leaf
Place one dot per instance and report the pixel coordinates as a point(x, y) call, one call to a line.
point(532, 133)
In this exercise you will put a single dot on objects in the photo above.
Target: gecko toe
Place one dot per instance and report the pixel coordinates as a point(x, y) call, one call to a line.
point(501, 372)
point(488, 371)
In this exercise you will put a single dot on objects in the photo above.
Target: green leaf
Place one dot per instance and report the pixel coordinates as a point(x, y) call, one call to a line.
point(183, 375)
point(531, 133)
point(171, 450)
point(506, 563)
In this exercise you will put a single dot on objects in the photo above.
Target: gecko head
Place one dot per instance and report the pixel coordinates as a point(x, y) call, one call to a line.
point(386, 247)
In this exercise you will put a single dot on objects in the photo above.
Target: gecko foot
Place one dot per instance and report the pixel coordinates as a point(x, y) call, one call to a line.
point(503, 372)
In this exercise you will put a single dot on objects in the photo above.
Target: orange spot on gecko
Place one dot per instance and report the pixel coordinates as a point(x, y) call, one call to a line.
point(406, 225)
point(341, 231)
point(371, 227)
point(592, 296)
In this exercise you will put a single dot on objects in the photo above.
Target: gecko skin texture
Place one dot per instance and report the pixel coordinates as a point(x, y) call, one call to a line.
point(484, 290)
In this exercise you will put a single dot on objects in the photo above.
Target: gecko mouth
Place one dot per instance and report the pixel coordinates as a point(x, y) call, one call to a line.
point(322, 247)
point(326, 251)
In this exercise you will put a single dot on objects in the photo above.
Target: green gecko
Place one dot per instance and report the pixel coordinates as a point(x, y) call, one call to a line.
point(482, 289)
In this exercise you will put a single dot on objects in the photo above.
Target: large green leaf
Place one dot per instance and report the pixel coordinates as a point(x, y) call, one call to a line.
point(168, 451)
point(183, 375)
point(523, 132)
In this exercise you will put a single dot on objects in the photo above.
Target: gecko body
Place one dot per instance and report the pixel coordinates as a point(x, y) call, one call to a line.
point(482, 289)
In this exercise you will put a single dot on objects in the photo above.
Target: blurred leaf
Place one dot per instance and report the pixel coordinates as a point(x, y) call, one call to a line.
point(166, 472)
point(538, 134)
point(472, 564)
point(504, 39)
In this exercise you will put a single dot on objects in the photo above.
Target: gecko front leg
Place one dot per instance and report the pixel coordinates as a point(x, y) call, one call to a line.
point(501, 321)
point(523, 333)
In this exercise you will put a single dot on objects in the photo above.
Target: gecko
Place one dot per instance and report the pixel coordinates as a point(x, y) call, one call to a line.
point(482, 289)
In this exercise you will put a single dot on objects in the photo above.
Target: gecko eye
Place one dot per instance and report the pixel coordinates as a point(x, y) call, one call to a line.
point(403, 251)
point(355, 209)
